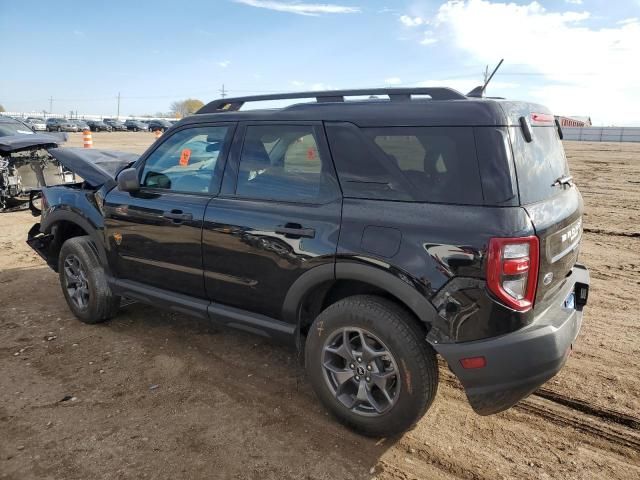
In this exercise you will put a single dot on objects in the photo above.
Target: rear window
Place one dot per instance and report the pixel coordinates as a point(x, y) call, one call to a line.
point(423, 164)
point(538, 163)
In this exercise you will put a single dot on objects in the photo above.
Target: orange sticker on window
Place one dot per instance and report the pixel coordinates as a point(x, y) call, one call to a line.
point(184, 157)
point(311, 153)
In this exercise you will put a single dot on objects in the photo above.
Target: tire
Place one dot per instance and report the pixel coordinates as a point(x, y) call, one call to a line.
point(59, 129)
point(99, 304)
point(412, 373)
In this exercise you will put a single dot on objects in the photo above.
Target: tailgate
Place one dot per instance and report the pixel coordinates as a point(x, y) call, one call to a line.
point(558, 225)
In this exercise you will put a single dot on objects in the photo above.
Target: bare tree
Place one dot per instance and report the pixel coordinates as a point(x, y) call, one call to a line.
point(2, 108)
point(186, 107)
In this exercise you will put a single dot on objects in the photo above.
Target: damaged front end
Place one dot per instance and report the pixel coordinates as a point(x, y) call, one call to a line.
point(26, 165)
point(73, 209)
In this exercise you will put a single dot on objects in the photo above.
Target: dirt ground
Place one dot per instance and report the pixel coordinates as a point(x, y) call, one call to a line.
point(154, 394)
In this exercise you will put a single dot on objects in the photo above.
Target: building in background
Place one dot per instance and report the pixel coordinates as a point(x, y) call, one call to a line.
point(574, 121)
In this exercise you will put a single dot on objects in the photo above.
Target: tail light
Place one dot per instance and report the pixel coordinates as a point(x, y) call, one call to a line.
point(512, 270)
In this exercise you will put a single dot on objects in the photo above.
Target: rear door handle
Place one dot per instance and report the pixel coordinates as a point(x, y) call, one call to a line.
point(178, 216)
point(295, 230)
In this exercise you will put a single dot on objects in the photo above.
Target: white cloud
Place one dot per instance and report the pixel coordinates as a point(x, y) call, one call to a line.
point(582, 70)
point(408, 21)
point(575, 2)
point(321, 86)
point(393, 81)
point(495, 87)
point(310, 9)
point(224, 63)
point(428, 38)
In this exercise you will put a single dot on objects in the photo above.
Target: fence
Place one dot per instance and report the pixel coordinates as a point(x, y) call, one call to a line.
point(602, 134)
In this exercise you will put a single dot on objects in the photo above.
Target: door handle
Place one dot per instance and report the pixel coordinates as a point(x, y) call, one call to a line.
point(295, 230)
point(178, 216)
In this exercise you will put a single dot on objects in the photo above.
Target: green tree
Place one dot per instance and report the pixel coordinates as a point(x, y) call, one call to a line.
point(186, 107)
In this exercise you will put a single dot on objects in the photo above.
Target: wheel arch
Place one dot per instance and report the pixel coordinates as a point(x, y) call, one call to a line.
point(321, 286)
point(65, 224)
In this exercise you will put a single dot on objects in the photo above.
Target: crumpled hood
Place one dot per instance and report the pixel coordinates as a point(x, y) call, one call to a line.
point(95, 166)
point(17, 143)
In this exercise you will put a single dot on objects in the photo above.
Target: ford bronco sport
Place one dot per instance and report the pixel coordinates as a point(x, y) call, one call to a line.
point(371, 234)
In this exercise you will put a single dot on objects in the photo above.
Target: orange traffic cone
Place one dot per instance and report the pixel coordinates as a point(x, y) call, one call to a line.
point(158, 133)
point(86, 137)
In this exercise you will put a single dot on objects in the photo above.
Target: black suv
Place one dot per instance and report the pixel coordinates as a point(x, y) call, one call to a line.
point(136, 125)
point(99, 126)
point(159, 124)
point(371, 234)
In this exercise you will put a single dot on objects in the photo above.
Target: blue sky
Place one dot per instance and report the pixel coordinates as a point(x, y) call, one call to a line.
point(578, 57)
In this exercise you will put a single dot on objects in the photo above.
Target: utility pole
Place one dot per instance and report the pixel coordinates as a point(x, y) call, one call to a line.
point(223, 92)
point(118, 115)
point(50, 105)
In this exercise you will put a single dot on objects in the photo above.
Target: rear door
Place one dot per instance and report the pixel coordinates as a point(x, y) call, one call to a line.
point(155, 234)
point(277, 217)
point(555, 209)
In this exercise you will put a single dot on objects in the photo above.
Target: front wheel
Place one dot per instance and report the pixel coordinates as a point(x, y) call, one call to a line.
point(84, 282)
point(368, 362)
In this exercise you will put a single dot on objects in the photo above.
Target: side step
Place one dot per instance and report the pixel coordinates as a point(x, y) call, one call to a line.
point(220, 314)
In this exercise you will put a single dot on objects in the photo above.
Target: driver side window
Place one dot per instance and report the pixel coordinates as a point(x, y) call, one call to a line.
point(186, 162)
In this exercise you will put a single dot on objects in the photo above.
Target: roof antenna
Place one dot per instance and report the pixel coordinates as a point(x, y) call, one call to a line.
point(479, 90)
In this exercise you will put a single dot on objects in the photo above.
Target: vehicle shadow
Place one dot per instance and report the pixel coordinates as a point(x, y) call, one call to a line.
point(212, 403)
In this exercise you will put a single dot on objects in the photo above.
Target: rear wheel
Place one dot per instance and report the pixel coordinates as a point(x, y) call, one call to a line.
point(369, 364)
point(84, 283)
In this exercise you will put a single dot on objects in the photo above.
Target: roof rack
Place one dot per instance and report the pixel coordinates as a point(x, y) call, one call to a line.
point(394, 94)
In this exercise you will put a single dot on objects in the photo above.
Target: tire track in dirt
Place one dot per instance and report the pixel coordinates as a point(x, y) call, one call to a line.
point(590, 409)
point(548, 405)
point(602, 231)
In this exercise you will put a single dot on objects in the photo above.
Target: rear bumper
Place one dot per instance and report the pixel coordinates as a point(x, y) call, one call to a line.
point(519, 362)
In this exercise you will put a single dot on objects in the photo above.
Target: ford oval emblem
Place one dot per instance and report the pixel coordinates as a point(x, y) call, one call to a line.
point(547, 278)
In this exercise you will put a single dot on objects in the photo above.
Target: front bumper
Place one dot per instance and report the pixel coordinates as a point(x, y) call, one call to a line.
point(40, 242)
point(519, 362)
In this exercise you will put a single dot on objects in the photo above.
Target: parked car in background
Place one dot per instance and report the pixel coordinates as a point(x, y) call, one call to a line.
point(115, 124)
point(11, 126)
point(159, 124)
point(37, 123)
point(82, 125)
point(61, 125)
point(99, 126)
point(136, 125)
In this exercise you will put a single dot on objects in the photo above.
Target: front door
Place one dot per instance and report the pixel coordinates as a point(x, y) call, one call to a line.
point(277, 217)
point(154, 235)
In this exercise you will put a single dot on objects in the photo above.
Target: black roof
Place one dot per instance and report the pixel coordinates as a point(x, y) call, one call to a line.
point(402, 107)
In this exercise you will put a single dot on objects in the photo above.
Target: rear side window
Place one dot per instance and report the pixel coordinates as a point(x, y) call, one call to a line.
point(538, 163)
point(427, 164)
point(284, 162)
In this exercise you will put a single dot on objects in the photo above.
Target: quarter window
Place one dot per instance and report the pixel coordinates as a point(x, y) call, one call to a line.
point(187, 161)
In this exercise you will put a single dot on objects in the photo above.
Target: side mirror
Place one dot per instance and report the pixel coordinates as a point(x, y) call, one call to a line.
point(128, 180)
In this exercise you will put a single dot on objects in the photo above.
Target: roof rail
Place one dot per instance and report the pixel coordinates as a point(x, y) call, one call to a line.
point(394, 94)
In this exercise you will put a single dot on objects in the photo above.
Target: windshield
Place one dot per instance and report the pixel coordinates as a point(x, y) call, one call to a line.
point(14, 128)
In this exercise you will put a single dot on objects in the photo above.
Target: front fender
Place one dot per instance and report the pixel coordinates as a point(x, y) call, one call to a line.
point(77, 207)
